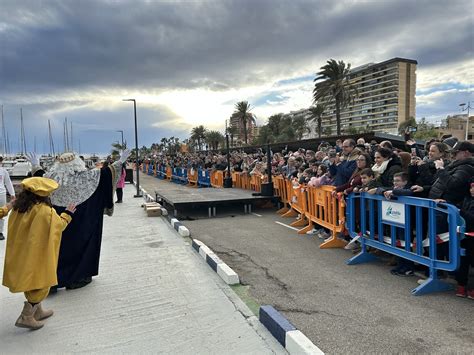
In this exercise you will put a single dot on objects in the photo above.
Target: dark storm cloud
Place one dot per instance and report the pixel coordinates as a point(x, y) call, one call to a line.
point(161, 45)
point(58, 58)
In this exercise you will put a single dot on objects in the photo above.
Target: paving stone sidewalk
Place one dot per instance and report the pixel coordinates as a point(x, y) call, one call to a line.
point(154, 294)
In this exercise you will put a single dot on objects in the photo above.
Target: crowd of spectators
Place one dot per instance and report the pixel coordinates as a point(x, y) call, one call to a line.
point(442, 171)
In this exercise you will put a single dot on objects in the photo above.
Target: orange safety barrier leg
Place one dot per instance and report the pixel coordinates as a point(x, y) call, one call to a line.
point(290, 213)
point(283, 210)
point(333, 242)
point(307, 228)
point(300, 222)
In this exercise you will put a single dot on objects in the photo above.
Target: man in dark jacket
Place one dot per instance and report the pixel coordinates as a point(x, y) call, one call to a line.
point(342, 171)
point(452, 184)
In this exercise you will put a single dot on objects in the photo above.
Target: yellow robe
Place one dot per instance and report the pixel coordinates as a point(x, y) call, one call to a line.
point(32, 250)
point(3, 211)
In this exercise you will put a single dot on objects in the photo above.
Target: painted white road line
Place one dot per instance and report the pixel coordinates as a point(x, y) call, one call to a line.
point(287, 226)
point(256, 214)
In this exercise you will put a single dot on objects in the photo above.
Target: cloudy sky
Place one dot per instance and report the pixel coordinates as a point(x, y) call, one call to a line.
point(188, 62)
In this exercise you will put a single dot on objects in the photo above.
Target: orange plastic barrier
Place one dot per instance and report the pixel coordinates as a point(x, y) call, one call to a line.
point(279, 184)
point(298, 204)
point(245, 181)
point(217, 178)
point(328, 211)
point(314, 205)
point(256, 183)
point(193, 177)
point(236, 179)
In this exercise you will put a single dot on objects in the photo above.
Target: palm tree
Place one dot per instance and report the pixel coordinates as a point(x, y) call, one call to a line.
point(117, 148)
point(336, 85)
point(214, 138)
point(198, 134)
point(317, 115)
point(242, 111)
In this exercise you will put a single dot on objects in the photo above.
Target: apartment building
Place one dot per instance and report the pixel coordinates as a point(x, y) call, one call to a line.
point(386, 98)
point(456, 126)
point(251, 126)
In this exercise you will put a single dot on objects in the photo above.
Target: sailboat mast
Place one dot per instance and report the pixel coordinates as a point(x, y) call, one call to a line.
point(4, 146)
point(51, 142)
point(72, 143)
point(22, 129)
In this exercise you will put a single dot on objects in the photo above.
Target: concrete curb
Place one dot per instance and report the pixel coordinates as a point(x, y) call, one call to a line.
point(222, 269)
point(294, 341)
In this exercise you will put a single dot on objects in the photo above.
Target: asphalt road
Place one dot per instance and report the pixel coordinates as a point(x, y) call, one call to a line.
point(343, 309)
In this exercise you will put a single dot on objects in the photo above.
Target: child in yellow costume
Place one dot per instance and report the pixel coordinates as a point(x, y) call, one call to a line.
point(31, 255)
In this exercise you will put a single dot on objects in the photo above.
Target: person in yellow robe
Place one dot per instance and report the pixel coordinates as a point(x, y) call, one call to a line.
point(32, 250)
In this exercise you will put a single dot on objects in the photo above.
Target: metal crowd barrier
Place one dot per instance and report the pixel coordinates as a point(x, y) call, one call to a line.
point(204, 178)
point(370, 217)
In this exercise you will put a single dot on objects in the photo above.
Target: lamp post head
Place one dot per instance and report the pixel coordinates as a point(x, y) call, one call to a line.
point(128, 99)
point(462, 105)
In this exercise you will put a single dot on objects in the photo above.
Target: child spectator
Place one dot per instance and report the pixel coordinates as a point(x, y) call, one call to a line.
point(401, 187)
point(369, 183)
point(322, 177)
point(32, 250)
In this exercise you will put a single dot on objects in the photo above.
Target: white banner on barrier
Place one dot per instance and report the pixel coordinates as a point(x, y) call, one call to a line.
point(393, 212)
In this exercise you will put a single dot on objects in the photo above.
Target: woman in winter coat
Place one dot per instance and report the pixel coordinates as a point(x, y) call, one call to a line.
point(363, 161)
point(424, 173)
point(386, 165)
point(32, 250)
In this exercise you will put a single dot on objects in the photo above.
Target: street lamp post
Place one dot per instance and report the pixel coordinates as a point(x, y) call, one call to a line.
point(463, 108)
point(137, 164)
point(121, 131)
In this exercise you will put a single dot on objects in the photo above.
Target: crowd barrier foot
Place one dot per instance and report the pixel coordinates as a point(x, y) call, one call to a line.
point(290, 213)
point(283, 210)
point(301, 222)
point(362, 257)
point(432, 285)
point(307, 228)
point(333, 242)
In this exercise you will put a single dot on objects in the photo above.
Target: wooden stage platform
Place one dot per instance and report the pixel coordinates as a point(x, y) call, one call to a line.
point(180, 197)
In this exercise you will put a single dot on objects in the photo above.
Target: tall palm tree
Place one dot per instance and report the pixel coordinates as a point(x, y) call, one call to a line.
point(335, 85)
point(317, 115)
point(198, 134)
point(242, 111)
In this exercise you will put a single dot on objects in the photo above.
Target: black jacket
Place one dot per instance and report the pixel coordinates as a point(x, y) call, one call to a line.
point(424, 175)
point(467, 212)
point(453, 182)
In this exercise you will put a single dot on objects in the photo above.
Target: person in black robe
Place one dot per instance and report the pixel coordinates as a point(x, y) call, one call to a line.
point(93, 192)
